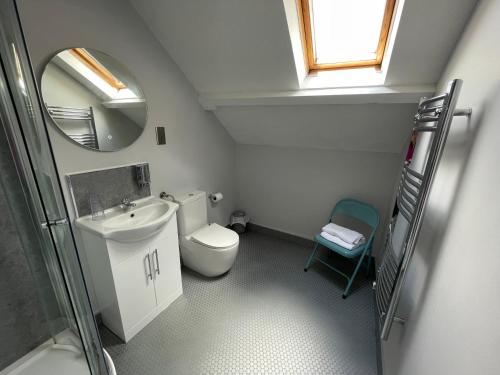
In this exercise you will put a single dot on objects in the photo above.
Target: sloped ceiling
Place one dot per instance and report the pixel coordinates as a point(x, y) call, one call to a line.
point(243, 46)
point(427, 35)
point(225, 45)
point(368, 127)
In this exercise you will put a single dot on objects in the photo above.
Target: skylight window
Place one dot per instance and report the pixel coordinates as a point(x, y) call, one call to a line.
point(90, 72)
point(345, 33)
point(97, 68)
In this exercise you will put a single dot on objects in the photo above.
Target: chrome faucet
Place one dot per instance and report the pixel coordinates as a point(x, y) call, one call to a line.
point(127, 204)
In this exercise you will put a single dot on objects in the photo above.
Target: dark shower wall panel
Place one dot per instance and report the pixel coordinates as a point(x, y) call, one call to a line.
point(22, 322)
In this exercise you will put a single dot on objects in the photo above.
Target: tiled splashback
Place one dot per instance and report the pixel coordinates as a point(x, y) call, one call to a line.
point(110, 185)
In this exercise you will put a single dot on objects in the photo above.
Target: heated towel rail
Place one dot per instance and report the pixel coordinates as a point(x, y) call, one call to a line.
point(89, 138)
point(433, 115)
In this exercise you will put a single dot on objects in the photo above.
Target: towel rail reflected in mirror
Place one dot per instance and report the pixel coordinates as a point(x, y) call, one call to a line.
point(93, 99)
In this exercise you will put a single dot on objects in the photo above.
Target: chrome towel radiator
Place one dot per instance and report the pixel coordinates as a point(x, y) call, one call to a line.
point(433, 115)
point(89, 138)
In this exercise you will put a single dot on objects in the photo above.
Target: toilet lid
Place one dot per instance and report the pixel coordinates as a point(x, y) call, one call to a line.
point(215, 236)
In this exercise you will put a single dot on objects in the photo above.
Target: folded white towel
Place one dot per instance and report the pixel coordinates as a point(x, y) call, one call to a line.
point(338, 241)
point(345, 234)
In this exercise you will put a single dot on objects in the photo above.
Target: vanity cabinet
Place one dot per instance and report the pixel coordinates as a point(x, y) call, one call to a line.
point(134, 281)
point(135, 290)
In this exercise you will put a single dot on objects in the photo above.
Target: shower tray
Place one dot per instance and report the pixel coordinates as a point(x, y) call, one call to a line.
point(63, 357)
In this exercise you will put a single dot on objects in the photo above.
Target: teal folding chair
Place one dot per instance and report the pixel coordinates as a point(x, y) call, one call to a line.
point(361, 211)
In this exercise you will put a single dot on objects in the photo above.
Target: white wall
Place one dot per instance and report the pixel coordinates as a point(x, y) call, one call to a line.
point(294, 162)
point(451, 299)
point(294, 189)
point(199, 153)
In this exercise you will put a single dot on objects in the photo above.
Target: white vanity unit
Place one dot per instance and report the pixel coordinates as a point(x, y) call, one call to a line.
point(133, 257)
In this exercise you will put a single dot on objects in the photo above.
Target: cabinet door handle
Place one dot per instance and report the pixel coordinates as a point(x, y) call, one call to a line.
point(149, 275)
point(157, 262)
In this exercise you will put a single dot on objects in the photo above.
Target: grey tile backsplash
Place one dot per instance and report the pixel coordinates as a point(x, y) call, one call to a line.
point(110, 185)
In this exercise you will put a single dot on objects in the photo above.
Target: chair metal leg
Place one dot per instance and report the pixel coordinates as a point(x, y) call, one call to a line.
point(311, 257)
point(353, 276)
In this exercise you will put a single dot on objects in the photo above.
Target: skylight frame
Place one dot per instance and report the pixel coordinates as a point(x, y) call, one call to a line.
point(97, 68)
point(304, 11)
point(73, 64)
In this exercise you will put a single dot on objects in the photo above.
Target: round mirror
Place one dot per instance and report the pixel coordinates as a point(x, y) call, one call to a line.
point(93, 99)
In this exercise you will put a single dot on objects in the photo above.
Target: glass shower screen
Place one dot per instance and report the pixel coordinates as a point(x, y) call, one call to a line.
point(31, 154)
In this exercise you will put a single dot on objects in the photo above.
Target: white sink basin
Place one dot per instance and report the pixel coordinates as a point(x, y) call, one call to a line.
point(140, 222)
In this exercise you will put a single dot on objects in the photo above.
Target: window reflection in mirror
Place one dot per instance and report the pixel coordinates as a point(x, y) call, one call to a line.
point(93, 99)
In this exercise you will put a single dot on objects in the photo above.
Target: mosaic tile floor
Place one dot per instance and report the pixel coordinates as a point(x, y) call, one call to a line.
point(266, 316)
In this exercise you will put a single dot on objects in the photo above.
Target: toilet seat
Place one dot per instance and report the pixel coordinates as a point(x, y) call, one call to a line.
point(215, 236)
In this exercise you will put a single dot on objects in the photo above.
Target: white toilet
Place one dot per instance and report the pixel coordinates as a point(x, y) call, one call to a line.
point(207, 249)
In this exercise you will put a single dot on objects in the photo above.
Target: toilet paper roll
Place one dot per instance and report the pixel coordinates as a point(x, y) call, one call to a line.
point(216, 197)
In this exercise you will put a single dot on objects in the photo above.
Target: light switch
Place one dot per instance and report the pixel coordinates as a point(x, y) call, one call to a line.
point(160, 135)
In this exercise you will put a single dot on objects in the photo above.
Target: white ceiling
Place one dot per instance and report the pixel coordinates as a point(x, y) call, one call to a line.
point(244, 45)
point(367, 127)
point(225, 45)
point(228, 48)
point(427, 34)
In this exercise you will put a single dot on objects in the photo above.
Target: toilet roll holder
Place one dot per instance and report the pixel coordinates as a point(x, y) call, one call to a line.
point(215, 197)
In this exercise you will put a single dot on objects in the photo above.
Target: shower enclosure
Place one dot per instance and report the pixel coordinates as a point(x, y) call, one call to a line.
point(47, 325)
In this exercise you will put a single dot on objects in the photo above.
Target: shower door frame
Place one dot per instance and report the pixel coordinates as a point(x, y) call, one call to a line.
point(27, 135)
